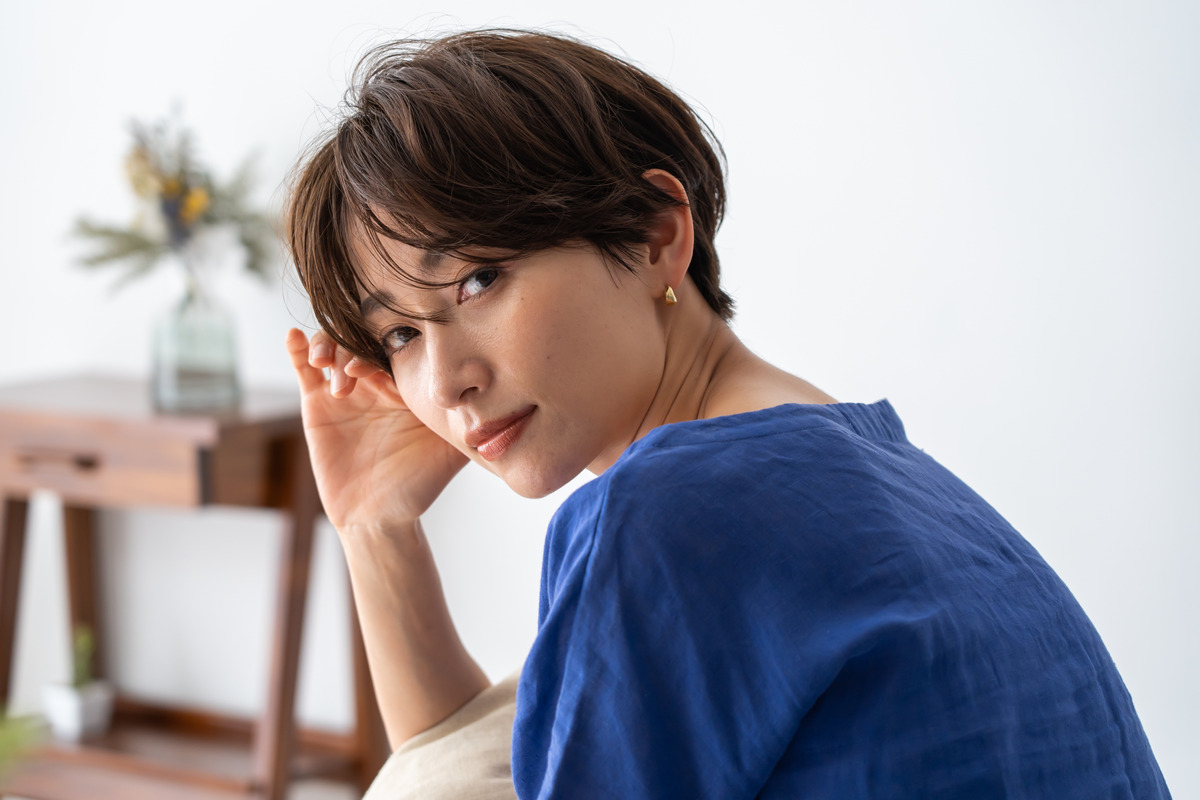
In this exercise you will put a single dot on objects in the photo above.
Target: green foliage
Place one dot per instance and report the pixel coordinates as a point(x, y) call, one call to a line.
point(84, 653)
point(17, 734)
point(137, 251)
point(230, 204)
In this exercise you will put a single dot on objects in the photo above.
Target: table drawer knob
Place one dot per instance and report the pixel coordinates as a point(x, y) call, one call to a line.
point(36, 460)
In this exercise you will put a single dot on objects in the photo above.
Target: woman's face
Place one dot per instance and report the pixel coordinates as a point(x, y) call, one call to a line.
point(536, 368)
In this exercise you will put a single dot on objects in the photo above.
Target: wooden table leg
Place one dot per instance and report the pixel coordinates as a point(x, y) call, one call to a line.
point(274, 735)
point(13, 515)
point(79, 532)
point(370, 738)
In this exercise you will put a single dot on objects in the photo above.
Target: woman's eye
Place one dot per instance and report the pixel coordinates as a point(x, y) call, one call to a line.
point(397, 339)
point(477, 282)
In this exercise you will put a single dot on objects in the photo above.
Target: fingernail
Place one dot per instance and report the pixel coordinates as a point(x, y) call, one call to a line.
point(321, 351)
point(336, 382)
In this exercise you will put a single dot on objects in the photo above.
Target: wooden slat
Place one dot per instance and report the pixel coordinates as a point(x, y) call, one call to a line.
point(50, 779)
point(273, 738)
point(173, 718)
point(141, 753)
point(160, 745)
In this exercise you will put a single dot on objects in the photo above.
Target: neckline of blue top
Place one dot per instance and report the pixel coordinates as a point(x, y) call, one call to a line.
point(876, 421)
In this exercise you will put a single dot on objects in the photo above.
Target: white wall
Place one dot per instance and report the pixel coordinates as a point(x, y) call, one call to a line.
point(986, 212)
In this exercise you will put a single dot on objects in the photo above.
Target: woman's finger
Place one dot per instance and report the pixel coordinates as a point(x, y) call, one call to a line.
point(321, 350)
point(357, 368)
point(340, 384)
point(310, 377)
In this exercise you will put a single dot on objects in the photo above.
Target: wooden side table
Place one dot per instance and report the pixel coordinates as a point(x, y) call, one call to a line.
point(97, 443)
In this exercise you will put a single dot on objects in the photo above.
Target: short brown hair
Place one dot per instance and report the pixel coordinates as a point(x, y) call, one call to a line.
point(508, 140)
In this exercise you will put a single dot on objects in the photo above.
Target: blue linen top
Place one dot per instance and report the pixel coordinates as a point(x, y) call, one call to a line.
point(798, 603)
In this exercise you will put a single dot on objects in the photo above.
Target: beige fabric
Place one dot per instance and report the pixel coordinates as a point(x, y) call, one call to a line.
point(467, 756)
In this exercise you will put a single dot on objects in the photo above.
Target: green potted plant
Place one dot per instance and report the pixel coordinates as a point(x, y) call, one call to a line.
point(83, 708)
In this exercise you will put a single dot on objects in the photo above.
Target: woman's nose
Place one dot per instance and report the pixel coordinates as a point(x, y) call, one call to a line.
point(456, 367)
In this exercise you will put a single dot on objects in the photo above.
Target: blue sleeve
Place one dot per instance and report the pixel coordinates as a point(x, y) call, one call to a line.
point(666, 662)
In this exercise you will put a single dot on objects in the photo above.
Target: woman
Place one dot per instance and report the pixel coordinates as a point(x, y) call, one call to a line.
point(508, 243)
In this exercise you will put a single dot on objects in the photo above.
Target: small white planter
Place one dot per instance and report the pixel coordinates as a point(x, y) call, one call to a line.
point(78, 713)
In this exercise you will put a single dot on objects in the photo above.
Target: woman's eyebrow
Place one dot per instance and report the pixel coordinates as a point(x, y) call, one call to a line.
point(383, 300)
point(375, 301)
point(431, 260)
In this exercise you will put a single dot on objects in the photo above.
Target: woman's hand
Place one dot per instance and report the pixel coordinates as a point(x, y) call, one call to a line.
point(375, 463)
point(378, 469)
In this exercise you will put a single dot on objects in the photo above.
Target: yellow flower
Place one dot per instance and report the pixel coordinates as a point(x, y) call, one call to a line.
point(194, 205)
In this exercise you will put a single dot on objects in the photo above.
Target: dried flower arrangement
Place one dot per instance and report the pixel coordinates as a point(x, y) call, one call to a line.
point(178, 198)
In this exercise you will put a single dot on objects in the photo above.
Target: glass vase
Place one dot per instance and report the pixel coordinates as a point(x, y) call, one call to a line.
point(195, 354)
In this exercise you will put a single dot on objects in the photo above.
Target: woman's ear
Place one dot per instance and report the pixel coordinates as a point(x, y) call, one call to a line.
point(671, 237)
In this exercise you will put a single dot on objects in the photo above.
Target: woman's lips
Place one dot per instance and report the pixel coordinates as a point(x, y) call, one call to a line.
point(495, 438)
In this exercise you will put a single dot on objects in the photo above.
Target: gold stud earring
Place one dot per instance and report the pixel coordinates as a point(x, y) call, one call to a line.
point(670, 296)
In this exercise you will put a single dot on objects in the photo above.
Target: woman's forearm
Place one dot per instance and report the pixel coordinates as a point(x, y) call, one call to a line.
point(419, 667)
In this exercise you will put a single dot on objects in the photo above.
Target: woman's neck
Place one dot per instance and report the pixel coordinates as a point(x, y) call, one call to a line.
point(708, 372)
